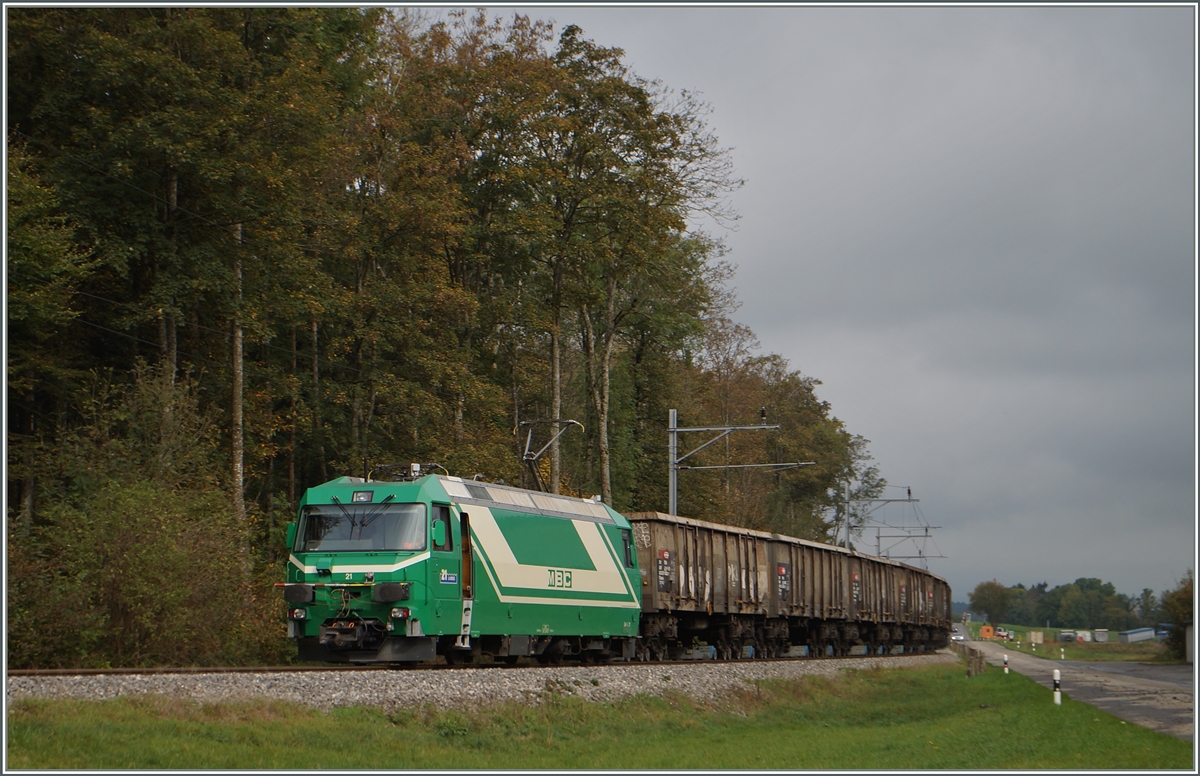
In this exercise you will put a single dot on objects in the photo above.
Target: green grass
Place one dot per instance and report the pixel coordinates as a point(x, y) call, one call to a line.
point(919, 718)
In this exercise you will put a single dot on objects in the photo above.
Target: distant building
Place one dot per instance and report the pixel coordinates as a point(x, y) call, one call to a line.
point(1136, 635)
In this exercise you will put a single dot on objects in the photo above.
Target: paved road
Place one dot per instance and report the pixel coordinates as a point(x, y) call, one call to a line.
point(1159, 697)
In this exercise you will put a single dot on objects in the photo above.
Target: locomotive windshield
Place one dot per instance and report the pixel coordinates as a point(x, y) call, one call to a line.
point(361, 528)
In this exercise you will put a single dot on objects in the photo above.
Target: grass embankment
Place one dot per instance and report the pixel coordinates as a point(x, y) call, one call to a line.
point(1112, 650)
point(898, 719)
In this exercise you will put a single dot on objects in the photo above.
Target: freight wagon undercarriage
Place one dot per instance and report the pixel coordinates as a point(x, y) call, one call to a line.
point(730, 637)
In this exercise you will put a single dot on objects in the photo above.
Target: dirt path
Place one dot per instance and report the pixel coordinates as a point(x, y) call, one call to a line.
point(1158, 697)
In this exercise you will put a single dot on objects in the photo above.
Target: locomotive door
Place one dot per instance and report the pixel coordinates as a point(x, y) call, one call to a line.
point(464, 632)
point(445, 565)
point(467, 557)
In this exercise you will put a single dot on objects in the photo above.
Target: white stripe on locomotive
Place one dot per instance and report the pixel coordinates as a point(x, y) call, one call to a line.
point(499, 561)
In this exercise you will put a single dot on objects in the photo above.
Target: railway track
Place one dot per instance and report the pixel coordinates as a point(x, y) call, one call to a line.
point(406, 667)
point(387, 688)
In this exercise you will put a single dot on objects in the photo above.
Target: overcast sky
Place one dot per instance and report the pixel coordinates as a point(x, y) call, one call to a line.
point(975, 226)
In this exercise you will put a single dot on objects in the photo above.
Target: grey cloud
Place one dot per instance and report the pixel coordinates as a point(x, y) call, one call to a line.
point(976, 227)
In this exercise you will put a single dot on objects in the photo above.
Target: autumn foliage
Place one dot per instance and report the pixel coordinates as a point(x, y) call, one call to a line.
point(250, 250)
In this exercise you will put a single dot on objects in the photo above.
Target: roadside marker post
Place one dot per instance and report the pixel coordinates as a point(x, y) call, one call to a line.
point(1062, 653)
point(1006, 665)
point(1057, 688)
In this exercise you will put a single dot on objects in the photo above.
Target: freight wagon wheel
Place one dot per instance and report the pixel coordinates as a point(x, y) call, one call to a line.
point(724, 650)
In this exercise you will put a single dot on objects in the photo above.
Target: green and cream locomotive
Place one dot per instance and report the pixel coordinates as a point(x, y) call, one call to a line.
point(403, 571)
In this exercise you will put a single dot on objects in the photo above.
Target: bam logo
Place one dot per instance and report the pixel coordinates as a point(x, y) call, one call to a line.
point(448, 578)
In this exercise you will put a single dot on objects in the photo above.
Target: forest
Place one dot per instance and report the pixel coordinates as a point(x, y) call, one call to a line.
point(252, 250)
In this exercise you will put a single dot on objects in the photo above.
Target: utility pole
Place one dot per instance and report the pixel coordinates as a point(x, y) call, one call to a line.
point(674, 459)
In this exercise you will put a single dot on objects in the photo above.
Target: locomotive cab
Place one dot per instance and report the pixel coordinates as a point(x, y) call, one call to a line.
point(358, 571)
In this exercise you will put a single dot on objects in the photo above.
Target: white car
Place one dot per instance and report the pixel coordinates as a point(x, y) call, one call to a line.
point(958, 637)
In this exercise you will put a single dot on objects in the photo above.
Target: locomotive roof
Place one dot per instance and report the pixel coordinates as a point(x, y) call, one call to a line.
point(689, 521)
point(532, 501)
point(494, 494)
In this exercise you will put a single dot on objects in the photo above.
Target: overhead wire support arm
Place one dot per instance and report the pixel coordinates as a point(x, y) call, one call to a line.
point(921, 531)
point(753, 466)
point(674, 459)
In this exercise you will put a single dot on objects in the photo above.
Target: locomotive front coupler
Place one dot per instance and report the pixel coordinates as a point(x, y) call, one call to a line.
point(350, 633)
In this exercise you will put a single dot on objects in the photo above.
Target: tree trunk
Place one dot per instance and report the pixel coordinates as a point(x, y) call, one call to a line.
point(27, 482)
point(555, 404)
point(602, 412)
point(316, 373)
point(292, 432)
point(238, 485)
point(172, 204)
point(599, 370)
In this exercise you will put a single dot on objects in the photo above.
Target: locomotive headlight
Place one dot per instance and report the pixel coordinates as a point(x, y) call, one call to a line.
point(298, 614)
point(400, 613)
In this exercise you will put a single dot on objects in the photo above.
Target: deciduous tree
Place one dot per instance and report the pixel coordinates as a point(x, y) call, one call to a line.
point(1178, 606)
point(992, 599)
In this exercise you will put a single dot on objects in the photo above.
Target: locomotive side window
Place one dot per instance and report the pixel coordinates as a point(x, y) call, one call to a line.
point(441, 514)
point(361, 528)
point(627, 538)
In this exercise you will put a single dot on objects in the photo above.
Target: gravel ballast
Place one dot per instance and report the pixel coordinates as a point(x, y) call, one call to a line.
point(462, 688)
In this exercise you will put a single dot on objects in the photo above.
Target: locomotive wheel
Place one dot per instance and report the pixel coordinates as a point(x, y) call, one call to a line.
point(511, 660)
point(552, 654)
point(457, 658)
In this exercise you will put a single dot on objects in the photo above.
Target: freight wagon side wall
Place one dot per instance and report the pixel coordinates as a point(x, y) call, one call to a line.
point(698, 568)
point(693, 566)
point(690, 565)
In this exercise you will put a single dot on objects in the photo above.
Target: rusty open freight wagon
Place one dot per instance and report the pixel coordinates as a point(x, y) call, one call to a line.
point(738, 592)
